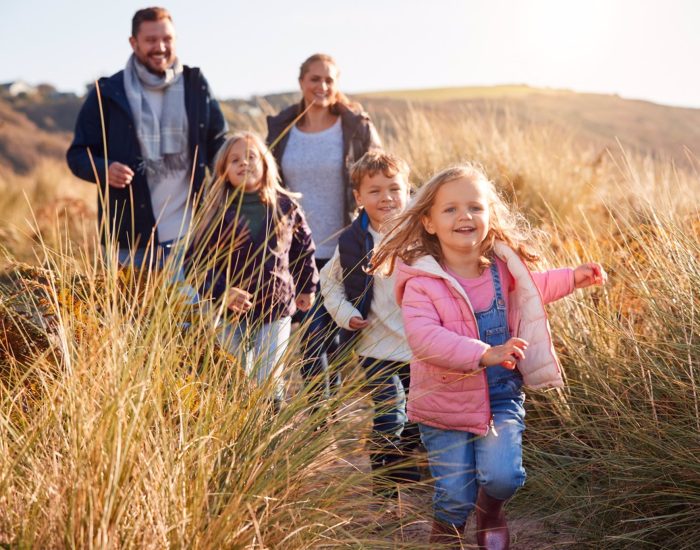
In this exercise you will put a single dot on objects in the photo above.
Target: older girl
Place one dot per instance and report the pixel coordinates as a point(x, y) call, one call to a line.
point(255, 254)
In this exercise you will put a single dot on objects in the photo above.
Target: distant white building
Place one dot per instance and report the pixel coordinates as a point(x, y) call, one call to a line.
point(18, 87)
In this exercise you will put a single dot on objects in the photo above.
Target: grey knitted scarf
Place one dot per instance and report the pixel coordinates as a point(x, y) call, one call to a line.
point(163, 142)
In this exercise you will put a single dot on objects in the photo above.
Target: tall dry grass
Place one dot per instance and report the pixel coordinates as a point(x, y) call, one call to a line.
point(123, 429)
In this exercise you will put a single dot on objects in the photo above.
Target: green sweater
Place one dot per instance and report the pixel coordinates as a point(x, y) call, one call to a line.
point(253, 211)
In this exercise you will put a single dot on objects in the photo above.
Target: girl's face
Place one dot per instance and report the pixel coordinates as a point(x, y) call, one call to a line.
point(245, 166)
point(459, 216)
point(319, 84)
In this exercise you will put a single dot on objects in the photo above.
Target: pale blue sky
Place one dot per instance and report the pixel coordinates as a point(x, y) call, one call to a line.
point(645, 49)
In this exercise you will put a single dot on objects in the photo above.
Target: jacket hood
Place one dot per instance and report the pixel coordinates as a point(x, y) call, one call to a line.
point(427, 266)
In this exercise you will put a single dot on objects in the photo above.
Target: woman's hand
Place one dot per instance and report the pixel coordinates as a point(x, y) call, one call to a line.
point(506, 354)
point(357, 323)
point(305, 301)
point(238, 300)
point(591, 273)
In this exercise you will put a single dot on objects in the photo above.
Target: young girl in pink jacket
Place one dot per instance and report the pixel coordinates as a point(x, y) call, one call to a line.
point(476, 324)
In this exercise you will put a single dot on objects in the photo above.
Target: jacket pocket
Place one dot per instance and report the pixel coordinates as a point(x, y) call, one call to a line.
point(453, 381)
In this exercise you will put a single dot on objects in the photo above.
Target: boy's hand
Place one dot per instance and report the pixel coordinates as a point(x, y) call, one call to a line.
point(506, 354)
point(591, 273)
point(357, 323)
point(238, 300)
point(305, 301)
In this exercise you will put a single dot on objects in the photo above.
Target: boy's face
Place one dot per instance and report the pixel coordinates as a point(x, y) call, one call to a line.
point(382, 197)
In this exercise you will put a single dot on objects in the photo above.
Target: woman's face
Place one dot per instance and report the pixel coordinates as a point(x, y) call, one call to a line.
point(319, 84)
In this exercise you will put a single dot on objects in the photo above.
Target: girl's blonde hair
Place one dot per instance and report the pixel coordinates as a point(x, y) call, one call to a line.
point(408, 240)
point(219, 194)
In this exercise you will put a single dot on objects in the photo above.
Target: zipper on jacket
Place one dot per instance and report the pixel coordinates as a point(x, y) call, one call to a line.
point(490, 426)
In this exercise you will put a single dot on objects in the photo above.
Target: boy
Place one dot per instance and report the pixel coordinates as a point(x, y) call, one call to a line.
point(366, 310)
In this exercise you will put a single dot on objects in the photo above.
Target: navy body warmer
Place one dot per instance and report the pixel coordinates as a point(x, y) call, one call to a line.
point(355, 246)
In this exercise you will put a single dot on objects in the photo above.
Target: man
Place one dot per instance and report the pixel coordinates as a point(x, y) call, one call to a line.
point(162, 129)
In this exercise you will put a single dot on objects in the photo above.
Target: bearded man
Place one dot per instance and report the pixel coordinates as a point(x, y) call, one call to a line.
point(162, 130)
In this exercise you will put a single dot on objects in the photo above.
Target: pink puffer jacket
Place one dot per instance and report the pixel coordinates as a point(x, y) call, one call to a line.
point(448, 387)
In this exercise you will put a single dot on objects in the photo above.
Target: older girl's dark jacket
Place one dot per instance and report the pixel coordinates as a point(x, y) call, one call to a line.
point(359, 136)
point(274, 266)
point(355, 246)
point(129, 210)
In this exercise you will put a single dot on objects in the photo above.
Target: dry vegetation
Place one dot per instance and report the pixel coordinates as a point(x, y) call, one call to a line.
point(120, 429)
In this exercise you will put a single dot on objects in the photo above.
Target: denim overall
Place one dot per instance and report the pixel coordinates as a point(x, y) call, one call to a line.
point(461, 462)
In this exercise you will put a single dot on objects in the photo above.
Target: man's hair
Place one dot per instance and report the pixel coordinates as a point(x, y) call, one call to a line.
point(373, 162)
point(148, 14)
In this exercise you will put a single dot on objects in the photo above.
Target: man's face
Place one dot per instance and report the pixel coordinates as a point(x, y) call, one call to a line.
point(154, 45)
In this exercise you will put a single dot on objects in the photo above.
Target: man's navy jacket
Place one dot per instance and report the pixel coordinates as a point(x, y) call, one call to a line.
point(130, 213)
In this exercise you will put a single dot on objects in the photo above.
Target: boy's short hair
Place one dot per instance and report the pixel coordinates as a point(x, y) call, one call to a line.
point(148, 14)
point(376, 161)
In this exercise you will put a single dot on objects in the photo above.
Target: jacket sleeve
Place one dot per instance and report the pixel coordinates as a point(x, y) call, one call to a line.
point(373, 140)
point(366, 135)
point(333, 290)
point(218, 127)
point(301, 255)
point(88, 136)
point(554, 284)
point(429, 340)
point(271, 130)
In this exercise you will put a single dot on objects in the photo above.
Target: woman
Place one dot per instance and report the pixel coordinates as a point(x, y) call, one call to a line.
point(315, 142)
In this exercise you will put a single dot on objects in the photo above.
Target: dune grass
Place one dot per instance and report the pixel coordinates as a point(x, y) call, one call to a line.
point(119, 428)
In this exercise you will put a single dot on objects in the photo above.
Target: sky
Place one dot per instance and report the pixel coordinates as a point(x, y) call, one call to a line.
point(643, 49)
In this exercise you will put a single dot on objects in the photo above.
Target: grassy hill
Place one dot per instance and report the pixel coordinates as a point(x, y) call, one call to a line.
point(642, 126)
point(120, 429)
point(24, 144)
point(33, 128)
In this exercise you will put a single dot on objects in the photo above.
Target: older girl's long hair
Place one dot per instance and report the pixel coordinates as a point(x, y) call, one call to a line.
point(219, 194)
point(408, 240)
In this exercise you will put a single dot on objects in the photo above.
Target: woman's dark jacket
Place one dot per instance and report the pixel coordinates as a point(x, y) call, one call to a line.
point(274, 266)
point(129, 210)
point(359, 136)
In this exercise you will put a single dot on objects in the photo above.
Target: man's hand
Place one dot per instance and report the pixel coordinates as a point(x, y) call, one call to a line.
point(119, 175)
point(357, 323)
point(238, 300)
point(506, 354)
point(305, 301)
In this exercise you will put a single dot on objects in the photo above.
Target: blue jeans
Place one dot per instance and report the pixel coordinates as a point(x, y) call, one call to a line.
point(461, 462)
point(260, 348)
point(393, 436)
point(155, 258)
point(319, 343)
point(389, 398)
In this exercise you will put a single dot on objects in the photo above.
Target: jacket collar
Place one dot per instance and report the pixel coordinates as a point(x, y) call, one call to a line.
point(429, 266)
point(284, 118)
point(113, 88)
